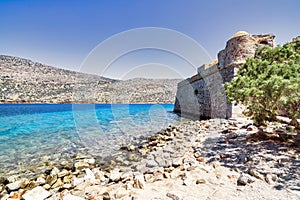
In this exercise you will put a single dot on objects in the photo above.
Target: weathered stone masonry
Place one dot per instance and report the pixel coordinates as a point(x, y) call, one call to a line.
point(202, 95)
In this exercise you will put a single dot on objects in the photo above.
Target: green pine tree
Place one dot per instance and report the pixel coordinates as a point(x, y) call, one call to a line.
point(269, 83)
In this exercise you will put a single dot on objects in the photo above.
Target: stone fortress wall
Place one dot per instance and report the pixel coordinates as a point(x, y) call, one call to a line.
point(202, 95)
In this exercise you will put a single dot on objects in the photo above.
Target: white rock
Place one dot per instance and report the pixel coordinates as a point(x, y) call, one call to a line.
point(67, 186)
point(256, 174)
point(54, 171)
point(57, 184)
point(82, 187)
point(12, 178)
point(40, 181)
point(176, 173)
point(76, 181)
point(95, 189)
point(151, 163)
point(81, 165)
point(47, 186)
point(252, 128)
point(189, 180)
point(245, 179)
point(271, 178)
point(126, 176)
point(38, 193)
point(158, 176)
point(177, 162)
point(129, 185)
point(72, 197)
point(13, 186)
point(121, 192)
point(89, 176)
point(99, 174)
point(17, 184)
point(149, 178)
point(51, 179)
point(63, 173)
point(207, 168)
point(115, 175)
point(90, 161)
point(139, 182)
point(5, 197)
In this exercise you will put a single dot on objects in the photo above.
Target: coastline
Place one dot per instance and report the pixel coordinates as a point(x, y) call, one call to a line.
point(210, 158)
point(71, 103)
point(36, 136)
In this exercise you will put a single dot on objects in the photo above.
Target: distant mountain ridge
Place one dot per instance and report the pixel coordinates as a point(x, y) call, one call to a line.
point(26, 81)
point(24, 69)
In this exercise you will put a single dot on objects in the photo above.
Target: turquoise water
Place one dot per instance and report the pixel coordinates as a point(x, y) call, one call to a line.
point(43, 133)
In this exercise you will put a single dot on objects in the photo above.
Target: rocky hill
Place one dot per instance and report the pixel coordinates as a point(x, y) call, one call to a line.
point(25, 81)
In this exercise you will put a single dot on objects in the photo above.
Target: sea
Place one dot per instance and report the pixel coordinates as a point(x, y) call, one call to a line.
point(36, 135)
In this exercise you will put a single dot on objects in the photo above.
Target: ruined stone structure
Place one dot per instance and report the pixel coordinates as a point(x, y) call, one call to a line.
point(202, 95)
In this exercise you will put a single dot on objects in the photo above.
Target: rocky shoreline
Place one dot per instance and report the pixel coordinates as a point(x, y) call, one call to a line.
point(211, 159)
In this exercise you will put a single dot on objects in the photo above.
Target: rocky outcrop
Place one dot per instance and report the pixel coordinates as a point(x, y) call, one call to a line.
point(202, 96)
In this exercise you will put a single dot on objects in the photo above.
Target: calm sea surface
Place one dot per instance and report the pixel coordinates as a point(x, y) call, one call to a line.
point(41, 133)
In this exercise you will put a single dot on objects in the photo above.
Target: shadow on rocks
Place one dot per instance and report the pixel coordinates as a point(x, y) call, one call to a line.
point(247, 149)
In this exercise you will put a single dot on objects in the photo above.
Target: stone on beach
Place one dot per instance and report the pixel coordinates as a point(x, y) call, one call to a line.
point(245, 179)
point(99, 174)
point(40, 181)
point(22, 183)
point(177, 162)
point(81, 165)
point(63, 173)
point(271, 178)
point(115, 175)
point(58, 183)
point(38, 193)
point(139, 181)
point(51, 179)
point(46, 186)
point(149, 178)
point(68, 179)
point(121, 192)
point(200, 181)
point(12, 178)
point(151, 163)
point(71, 197)
point(173, 196)
point(256, 174)
point(126, 176)
point(89, 176)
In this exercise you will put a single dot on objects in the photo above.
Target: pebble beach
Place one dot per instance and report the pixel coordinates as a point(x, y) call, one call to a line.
point(209, 159)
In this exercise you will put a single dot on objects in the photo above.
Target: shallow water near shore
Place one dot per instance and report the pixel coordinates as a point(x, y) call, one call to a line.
point(34, 135)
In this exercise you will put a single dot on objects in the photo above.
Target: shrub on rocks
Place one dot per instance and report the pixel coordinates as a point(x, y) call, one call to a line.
point(269, 84)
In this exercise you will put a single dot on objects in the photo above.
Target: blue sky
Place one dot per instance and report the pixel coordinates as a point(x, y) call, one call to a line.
point(62, 33)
